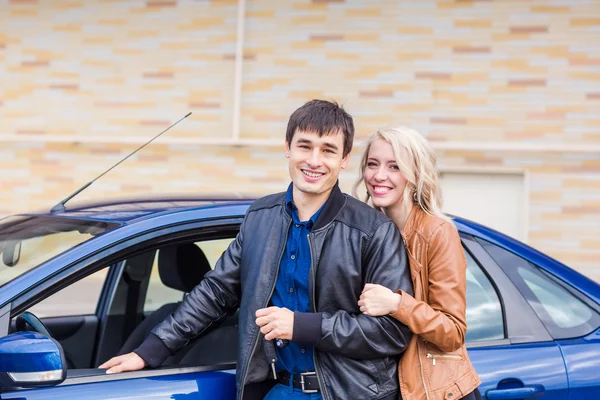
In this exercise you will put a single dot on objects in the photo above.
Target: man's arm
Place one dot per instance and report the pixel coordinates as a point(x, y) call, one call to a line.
point(210, 302)
point(359, 335)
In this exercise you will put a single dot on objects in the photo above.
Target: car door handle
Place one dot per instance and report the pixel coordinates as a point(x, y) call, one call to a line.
point(525, 392)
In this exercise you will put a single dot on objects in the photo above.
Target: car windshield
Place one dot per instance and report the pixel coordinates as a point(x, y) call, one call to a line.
point(28, 241)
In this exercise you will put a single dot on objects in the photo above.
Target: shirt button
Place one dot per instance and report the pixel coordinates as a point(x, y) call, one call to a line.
point(297, 225)
point(302, 351)
point(291, 290)
point(293, 257)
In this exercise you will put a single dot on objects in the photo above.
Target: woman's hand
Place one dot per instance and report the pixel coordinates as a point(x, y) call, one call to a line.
point(377, 300)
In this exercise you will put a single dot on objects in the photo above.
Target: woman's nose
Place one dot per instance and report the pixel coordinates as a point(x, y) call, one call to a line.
point(380, 175)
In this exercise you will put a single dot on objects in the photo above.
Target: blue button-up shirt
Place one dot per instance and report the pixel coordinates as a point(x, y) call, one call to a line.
point(291, 288)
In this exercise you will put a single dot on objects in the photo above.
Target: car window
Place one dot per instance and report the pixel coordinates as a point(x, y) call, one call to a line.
point(79, 298)
point(563, 313)
point(26, 242)
point(485, 319)
point(159, 294)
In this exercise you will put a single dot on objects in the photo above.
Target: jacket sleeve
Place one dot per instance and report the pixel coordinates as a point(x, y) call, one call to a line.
point(442, 321)
point(209, 303)
point(361, 336)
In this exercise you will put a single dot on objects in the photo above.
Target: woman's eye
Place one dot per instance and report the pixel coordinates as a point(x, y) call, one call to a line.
point(371, 164)
point(395, 167)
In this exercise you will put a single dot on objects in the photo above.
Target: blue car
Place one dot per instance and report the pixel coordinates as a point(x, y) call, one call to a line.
point(82, 285)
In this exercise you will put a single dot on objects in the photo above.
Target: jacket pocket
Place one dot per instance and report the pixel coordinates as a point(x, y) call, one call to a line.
point(433, 357)
point(349, 378)
point(444, 369)
point(453, 393)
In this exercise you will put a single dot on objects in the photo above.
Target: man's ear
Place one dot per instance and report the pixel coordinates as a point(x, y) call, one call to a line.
point(287, 150)
point(345, 161)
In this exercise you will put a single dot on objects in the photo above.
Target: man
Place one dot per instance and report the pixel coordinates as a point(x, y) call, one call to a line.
point(296, 270)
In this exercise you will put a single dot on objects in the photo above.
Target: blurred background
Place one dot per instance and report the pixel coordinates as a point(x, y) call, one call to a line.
point(507, 91)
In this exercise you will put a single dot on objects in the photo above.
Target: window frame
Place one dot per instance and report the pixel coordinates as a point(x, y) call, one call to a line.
point(522, 325)
point(518, 281)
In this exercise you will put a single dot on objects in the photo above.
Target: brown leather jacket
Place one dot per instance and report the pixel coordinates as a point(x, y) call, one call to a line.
point(435, 364)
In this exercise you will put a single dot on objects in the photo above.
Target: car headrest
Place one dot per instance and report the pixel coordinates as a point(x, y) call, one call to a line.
point(182, 266)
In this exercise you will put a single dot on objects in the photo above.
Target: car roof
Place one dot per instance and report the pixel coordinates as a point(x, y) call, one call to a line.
point(125, 210)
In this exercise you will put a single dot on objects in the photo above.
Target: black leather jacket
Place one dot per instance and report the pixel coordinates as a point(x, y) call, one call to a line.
point(351, 244)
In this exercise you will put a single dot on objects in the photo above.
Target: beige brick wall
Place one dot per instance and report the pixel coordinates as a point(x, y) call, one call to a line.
point(82, 83)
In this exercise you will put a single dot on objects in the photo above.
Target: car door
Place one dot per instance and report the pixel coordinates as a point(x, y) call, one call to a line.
point(189, 382)
point(571, 318)
point(510, 348)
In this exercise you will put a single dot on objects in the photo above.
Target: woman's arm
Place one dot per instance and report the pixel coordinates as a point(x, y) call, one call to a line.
point(442, 321)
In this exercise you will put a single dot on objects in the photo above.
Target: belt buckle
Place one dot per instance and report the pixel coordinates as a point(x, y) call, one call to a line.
point(302, 375)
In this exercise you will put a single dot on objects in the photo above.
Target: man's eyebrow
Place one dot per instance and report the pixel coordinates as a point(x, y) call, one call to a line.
point(330, 145)
point(325, 144)
point(304, 141)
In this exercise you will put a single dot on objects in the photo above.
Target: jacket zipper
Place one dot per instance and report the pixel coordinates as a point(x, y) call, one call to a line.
point(448, 356)
point(264, 305)
point(314, 307)
point(422, 373)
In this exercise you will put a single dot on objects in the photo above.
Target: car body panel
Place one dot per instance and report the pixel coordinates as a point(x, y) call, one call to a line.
point(190, 386)
point(582, 359)
point(531, 364)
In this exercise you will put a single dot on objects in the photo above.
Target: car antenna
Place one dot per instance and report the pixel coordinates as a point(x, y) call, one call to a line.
point(60, 207)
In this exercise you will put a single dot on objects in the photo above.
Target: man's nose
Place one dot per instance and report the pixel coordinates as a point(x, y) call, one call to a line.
point(314, 160)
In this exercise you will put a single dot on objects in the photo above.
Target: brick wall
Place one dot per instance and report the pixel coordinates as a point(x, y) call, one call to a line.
point(500, 84)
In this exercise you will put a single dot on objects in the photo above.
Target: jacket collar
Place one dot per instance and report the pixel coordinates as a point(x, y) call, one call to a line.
point(412, 221)
point(330, 209)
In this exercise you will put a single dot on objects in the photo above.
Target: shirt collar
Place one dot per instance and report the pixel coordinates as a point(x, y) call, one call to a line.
point(289, 203)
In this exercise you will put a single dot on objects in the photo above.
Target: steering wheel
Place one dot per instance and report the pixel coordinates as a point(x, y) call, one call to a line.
point(28, 318)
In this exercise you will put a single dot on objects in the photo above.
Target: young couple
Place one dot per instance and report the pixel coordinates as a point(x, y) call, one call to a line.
point(362, 302)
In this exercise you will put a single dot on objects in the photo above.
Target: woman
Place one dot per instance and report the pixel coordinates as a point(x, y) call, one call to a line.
point(398, 169)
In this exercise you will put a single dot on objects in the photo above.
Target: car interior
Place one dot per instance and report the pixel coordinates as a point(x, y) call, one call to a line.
point(138, 293)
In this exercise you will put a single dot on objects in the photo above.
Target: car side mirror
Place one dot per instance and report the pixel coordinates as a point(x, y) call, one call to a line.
point(11, 253)
point(30, 359)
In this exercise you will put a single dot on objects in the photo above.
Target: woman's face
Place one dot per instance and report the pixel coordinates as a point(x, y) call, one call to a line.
point(382, 175)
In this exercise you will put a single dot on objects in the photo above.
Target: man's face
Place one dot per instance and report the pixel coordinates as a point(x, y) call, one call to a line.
point(315, 162)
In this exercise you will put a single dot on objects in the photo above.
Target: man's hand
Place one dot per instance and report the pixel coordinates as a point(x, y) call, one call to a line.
point(275, 323)
point(377, 300)
point(124, 363)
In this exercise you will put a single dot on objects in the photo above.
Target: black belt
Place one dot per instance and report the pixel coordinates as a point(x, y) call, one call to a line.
point(307, 381)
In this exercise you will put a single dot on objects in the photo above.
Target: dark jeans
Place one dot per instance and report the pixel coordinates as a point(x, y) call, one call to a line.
point(474, 395)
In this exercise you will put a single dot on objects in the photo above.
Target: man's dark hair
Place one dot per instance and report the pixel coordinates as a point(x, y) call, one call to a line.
point(324, 118)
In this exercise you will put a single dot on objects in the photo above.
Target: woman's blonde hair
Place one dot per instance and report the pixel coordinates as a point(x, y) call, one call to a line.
point(417, 163)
